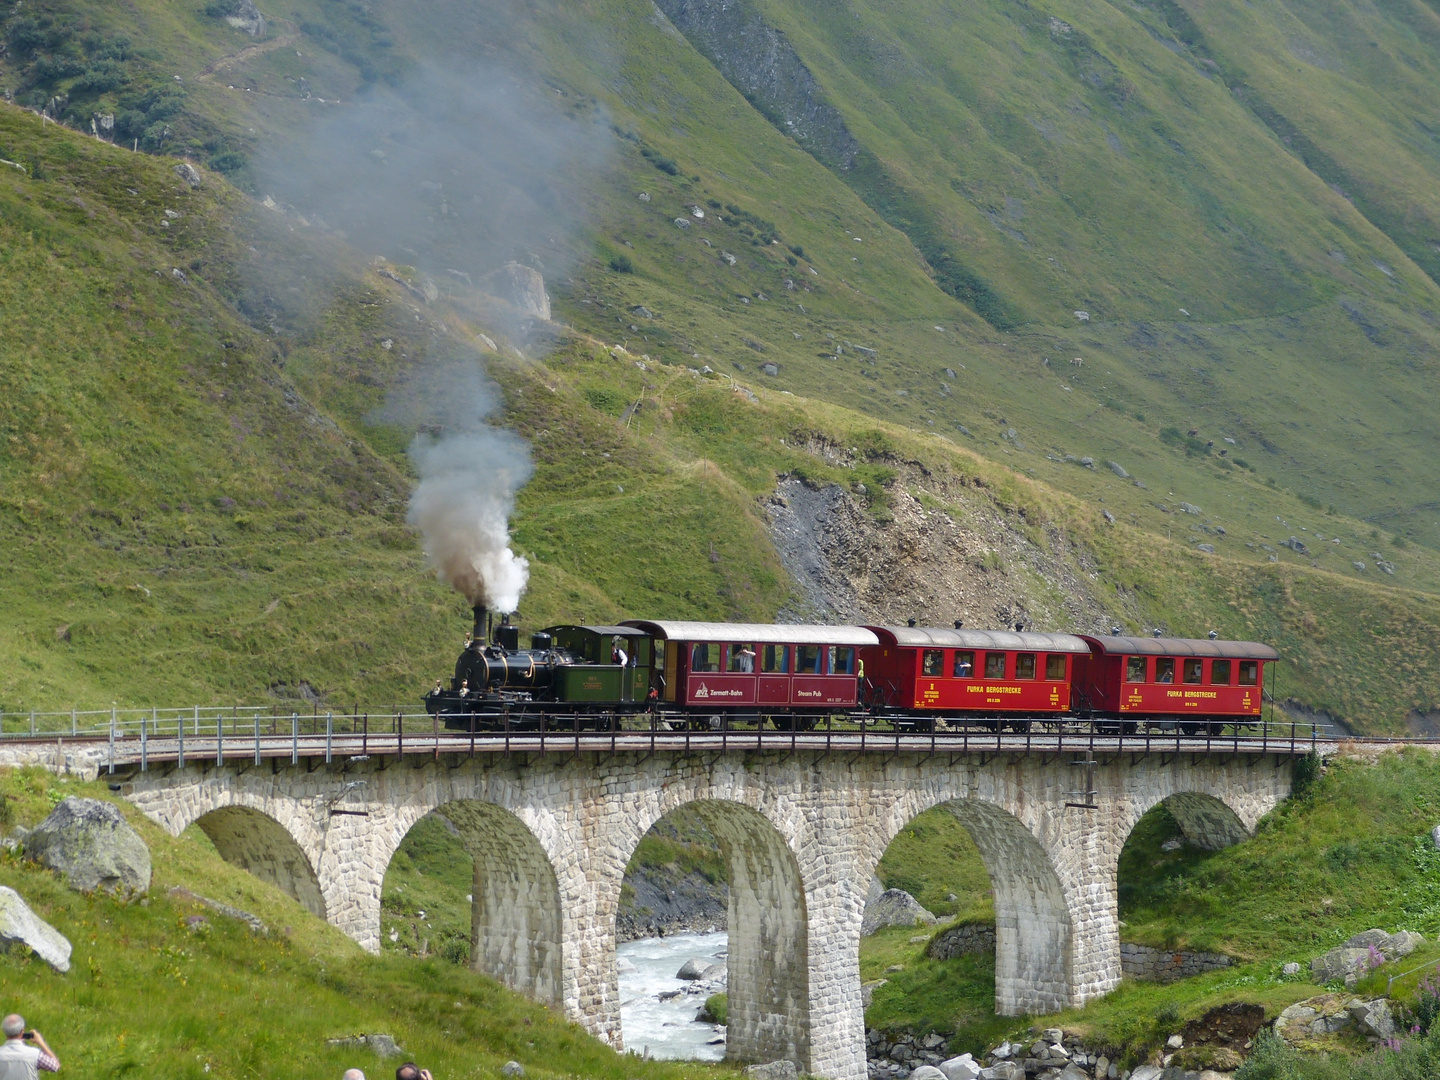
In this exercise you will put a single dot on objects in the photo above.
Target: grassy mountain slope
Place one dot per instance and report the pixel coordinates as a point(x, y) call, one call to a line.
point(1110, 159)
point(201, 503)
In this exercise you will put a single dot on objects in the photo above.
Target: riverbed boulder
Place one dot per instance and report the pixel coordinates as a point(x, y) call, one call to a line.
point(692, 969)
point(91, 844)
point(1003, 1070)
point(895, 907)
point(927, 1072)
point(21, 926)
point(963, 1067)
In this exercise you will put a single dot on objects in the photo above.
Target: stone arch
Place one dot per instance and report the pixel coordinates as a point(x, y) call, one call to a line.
point(1033, 926)
point(256, 842)
point(768, 964)
point(1208, 822)
point(515, 923)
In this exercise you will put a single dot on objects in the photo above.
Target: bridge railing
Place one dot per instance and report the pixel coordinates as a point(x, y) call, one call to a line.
point(273, 721)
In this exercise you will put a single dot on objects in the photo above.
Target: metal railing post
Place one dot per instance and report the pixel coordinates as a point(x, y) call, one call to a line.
point(32, 721)
point(197, 721)
point(144, 763)
point(112, 735)
point(257, 737)
point(294, 738)
point(74, 729)
point(219, 739)
point(180, 740)
point(329, 731)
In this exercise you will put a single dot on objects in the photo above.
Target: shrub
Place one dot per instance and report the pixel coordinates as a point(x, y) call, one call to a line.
point(621, 264)
point(1306, 772)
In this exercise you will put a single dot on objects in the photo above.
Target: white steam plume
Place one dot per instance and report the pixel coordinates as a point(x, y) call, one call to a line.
point(469, 473)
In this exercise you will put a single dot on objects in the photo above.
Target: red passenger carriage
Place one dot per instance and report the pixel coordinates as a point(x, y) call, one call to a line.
point(921, 673)
point(790, 673)
point(1201, 684)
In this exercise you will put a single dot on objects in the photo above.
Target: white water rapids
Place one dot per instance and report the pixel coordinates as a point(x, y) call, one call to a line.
point(668, 1029)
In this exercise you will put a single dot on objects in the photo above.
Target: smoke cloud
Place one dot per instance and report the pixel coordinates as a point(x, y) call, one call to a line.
point(454, 173)
point(470, 473)
point(472, 176)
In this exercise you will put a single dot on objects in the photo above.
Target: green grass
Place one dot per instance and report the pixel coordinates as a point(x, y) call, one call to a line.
point(147, 994)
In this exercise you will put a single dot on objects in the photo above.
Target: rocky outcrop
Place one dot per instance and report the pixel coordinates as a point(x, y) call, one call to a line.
point(1332, 1014)
point(660, 901)
point(92, 845)
point(525, 288)
point(1159, 965)
point(895, 907)
point(956, 555)
point(21, 926)
point(759, 61)
point(1362, 953)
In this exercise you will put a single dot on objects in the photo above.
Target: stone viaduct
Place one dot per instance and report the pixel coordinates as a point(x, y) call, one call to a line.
point(802, 832)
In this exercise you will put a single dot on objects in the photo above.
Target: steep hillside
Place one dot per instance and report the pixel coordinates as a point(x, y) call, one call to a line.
point(203, 531)
point(1239, 204)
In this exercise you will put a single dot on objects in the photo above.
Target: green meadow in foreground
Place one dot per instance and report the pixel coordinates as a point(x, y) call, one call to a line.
point(153, 992)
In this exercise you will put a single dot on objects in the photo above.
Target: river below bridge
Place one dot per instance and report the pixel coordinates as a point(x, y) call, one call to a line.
point(657, 1010)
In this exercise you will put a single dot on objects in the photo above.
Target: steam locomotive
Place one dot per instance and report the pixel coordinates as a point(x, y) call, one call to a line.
point(707, 675)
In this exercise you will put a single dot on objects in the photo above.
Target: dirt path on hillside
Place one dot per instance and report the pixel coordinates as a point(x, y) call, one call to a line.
point(250, 52)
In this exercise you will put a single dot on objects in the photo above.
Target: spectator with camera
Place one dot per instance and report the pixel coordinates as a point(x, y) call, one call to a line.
point(25, 1053)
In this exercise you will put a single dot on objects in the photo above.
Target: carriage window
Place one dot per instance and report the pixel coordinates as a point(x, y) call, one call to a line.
point(705, 657)
point(932, 662)
point(807, 660)
point(1165, 669)
point(964, 664)
point(994, 665)
point(1135, 668)
point(842, 660)
point(1249, 672)
point(1191, 670)
point(1220, 672)
point(1025, 665)
point(775, 659)
point(742, 658)
point(1055, 667)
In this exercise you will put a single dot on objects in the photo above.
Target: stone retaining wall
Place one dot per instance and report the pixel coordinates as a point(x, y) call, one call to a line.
point(1157, 965)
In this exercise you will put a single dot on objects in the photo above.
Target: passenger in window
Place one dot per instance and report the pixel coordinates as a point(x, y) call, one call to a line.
point(964, 664)
point(1190, 672)
point(742, 659)
point(775, 659)
point(1024, 665)
point(1135, 668)
point(1249, 672)
point(618, 655)
point(807, 660)
point(1165, 669)
point(995, 665)
point(932, 662)
point(1220, 672)
point(1055, 667)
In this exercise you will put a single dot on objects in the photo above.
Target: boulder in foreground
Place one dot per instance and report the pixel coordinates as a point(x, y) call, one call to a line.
point(894, 907)
point(93, 846)
point(20, 925)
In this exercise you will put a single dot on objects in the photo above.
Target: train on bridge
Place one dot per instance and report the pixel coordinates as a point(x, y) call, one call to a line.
point(709, 676)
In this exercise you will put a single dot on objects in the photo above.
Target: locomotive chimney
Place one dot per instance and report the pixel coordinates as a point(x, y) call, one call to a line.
point(478, 632)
